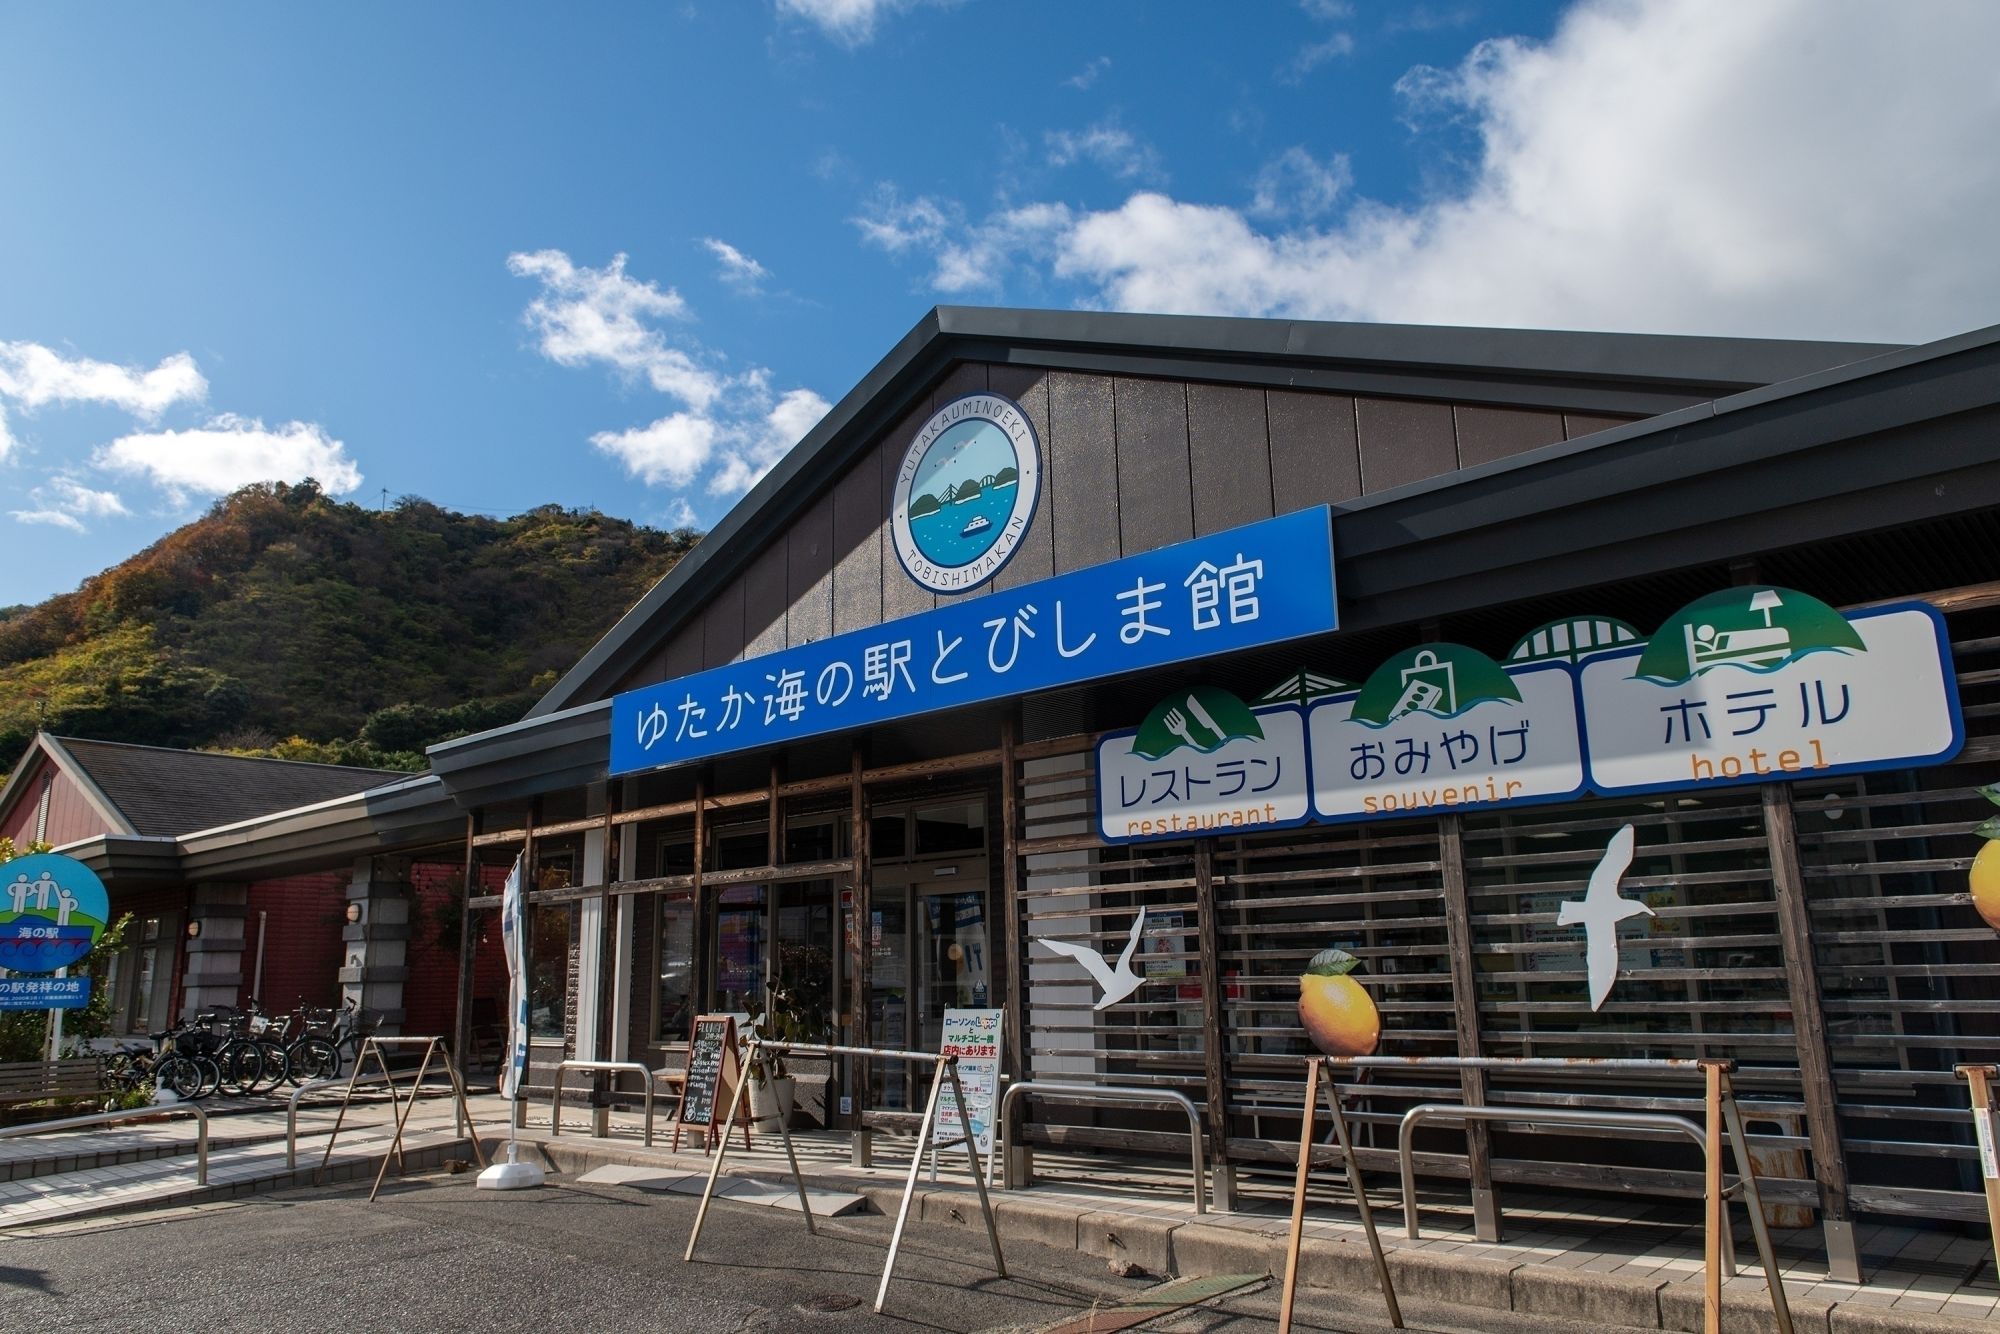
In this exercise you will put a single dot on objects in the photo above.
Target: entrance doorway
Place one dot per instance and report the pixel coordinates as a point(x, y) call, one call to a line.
point(930, 938)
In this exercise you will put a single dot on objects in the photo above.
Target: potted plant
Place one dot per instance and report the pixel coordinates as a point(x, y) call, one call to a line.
point(783, 1019)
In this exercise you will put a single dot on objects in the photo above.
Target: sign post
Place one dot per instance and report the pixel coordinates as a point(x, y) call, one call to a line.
point(52, 911)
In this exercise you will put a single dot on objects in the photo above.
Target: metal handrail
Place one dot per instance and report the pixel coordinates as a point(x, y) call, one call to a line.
point(1102, 1093)
point(357, 1081)
point(138, 1114)
point(1554, 1116)
point(633, 1067)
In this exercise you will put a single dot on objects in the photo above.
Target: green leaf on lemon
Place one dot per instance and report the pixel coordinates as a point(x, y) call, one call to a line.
point(1332, 963)
point(1991, 792)
point(1988, 828)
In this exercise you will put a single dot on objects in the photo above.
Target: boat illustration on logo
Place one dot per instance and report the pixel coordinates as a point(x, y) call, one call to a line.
point(980, 523)
point(1756, 629)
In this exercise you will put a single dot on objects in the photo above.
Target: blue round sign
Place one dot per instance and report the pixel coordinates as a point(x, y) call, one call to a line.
point(52, 910)
point(966, 492)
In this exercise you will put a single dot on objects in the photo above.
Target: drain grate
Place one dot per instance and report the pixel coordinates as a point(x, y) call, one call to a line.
point(828, 1304)
point(1152, 1304)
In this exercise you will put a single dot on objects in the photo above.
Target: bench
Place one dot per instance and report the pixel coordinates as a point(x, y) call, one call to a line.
point(36, 1081)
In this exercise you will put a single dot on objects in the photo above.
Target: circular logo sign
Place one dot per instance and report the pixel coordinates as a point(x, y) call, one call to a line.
point(966, 492)
point(52, 910)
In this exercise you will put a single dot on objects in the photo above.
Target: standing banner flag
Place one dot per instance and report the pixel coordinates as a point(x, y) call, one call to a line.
point(514, 1174)
point(513, 936)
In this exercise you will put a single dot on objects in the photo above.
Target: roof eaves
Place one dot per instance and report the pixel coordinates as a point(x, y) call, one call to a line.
point(78, 773)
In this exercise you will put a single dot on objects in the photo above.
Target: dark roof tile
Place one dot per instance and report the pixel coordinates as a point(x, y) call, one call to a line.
point(164, 792)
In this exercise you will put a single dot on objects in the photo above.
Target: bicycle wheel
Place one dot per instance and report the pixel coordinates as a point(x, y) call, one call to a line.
point(211, 1075)
point(178, 1074)
point(311, 1058)
point(273, 1066)
point(240, 1066)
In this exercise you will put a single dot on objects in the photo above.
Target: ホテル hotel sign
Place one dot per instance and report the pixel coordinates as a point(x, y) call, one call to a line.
point(1261, 584)
point(1749, 685)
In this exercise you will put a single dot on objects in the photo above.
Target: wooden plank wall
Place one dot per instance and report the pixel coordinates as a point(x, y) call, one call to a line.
point(1129, 464)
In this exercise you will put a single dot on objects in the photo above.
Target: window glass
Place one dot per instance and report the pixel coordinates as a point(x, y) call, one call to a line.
point(677, 1003)
point(676, 857)
point(959, 827)
point(739, 940)
point(814, 840)
point(743, 846)
point(548, 968)
point(888, 837)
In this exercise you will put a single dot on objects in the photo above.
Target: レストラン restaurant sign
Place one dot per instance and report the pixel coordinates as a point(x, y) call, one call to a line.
point(1748, 685)
point(1260, 584)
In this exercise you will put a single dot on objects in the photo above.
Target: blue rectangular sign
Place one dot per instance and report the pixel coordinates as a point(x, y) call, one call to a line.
point(44, 993)
point(1260, 584)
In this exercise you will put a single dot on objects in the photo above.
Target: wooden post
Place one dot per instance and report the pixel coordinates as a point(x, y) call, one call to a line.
point(1010, 903)
point(1979, 1079)
point(1829, 1154)
point(1215, 1035)
point(461, 1030)
point(1314, 1068)
point(1465, 1012)
point(1714, 1220)
point(702, 945)
point(864, 949)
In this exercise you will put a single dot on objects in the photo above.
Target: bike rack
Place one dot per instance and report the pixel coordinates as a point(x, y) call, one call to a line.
point(138, 1114)
point(630, 1067)
point(946, 1070)
point(1724, 1120)
point(1101, 1093)
point(292, 1111)
point(372, 1046)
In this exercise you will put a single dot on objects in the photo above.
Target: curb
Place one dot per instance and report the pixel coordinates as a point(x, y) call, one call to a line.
point(1203, 1248)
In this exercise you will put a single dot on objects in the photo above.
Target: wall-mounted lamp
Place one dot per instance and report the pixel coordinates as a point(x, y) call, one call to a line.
point(194, 929)
point(353, 912)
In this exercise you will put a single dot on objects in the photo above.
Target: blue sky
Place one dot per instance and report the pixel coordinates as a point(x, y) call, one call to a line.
point(623, 256)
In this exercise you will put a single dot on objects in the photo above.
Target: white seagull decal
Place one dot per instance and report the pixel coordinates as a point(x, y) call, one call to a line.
point(1600, 910)
point(1117, 983)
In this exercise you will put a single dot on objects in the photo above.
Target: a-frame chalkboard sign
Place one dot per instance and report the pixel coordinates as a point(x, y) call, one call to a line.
point(714, 1066)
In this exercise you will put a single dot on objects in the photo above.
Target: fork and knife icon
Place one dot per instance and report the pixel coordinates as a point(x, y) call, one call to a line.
point(1177, 723)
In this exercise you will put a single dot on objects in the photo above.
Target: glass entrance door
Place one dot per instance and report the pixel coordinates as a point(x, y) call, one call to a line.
point(930, 952)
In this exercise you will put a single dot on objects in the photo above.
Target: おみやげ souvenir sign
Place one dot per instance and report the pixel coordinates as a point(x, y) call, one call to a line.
point(52, 910)
point(1444, 727)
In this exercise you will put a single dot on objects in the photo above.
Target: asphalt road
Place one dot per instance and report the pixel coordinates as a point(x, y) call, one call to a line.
point(435, 1255)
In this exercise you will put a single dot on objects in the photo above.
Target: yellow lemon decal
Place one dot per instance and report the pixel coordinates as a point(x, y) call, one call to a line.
point(1984, 877)
point(1339, 1015)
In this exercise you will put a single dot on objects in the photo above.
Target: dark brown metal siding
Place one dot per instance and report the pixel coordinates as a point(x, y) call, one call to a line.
point(1128, 464)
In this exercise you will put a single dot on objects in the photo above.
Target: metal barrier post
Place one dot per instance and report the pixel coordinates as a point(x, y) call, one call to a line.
point(1314, 1069)
point(1715, 1220)
point(610, 1068)
point(1004, 1146)
point(1979, 1082)
point(136, 1114)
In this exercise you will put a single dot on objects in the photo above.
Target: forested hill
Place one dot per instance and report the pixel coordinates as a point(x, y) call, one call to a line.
point(287, 623)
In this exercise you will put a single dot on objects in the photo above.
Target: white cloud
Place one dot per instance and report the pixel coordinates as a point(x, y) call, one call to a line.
point(232, 451)
point(54, 518)
point(1089, 74)
point(1314, 54)
point(585, 315)
point(731, 425)
point(65, 502)
point(6, 440)
point(738, 269)
point(897, 224)
point(33, 376)
point(1662, 165)
point(670, 451)
point(848, 22)
point(1110, 146)
point(757, 445)
point(1296, 184)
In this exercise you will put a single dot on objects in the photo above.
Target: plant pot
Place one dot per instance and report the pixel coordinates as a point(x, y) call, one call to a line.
point(771, 1102)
